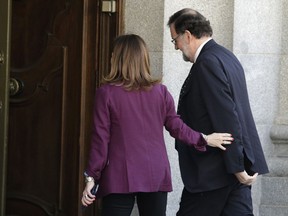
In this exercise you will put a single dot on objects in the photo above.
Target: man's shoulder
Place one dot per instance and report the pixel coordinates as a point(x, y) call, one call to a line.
point(214, 46)
point(214, 51)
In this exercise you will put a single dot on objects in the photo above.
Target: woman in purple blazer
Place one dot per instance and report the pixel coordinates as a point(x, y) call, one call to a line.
point(128, 157)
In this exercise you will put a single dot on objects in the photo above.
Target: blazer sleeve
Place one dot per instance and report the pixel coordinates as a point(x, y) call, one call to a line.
point(218, 98)
point(177, 128)
point(100, 134)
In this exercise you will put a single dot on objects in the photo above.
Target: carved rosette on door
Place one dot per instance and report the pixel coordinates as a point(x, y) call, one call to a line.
point(16, 86)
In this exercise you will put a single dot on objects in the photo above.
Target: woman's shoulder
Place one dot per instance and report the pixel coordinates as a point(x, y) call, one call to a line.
point(105, 90)
point(160, 86)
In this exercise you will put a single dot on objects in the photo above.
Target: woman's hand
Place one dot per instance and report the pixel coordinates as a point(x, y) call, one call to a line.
point(219, 139)
point(88, 198)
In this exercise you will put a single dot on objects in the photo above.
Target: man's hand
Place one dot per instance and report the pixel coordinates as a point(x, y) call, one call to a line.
point(246, 179)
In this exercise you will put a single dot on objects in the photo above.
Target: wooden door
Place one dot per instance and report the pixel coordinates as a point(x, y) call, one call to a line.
point(5, 14)
point(59, 51)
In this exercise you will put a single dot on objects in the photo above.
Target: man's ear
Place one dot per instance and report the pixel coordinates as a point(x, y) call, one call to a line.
point(188, 36)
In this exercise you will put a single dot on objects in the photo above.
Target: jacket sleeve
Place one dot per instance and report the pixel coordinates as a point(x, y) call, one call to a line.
point(217, 95)
point(100, 134)
point(178, 129)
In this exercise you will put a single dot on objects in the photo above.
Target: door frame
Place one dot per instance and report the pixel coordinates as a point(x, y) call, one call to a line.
point(94, 45)
point(5, 23)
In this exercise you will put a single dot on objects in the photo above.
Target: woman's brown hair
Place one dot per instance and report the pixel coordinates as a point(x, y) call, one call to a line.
point(130, 64)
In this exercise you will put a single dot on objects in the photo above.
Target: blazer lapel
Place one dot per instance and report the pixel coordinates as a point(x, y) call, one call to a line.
point(186, 85)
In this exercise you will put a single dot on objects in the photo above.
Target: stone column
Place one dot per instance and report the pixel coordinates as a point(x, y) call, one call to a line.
point(277, 183)
point(259, 42)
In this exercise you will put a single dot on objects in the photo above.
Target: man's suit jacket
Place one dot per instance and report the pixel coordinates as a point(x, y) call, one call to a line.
point(216, 100)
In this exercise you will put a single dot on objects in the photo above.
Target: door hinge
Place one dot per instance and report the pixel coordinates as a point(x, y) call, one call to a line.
point(109, 6)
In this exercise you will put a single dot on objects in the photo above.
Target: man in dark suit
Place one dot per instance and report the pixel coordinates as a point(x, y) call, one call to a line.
point(214, 98)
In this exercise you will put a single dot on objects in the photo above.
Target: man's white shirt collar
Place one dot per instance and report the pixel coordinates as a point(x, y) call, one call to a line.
point(200, 48)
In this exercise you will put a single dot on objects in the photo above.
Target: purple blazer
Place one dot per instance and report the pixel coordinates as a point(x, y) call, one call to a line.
point(128, 152)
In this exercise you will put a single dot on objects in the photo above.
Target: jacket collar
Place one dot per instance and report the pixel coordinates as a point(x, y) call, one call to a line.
point(209, 44)
point(200, 48)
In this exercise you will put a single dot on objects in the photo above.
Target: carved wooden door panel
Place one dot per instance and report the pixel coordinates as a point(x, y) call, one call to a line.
point(57, 50)
point(44, 106)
